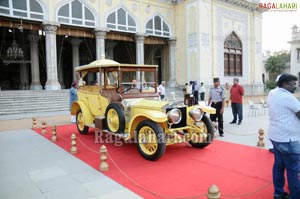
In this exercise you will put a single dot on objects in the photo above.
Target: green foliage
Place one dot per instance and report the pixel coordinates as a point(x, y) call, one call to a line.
point(275, 64)
point(270, 84)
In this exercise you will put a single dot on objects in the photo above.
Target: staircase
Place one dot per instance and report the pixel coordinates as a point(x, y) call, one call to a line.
point(38, 101)
point(33, 101)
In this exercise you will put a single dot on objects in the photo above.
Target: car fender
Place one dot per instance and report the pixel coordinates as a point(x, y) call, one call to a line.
point(156, 116)
point(87, 115)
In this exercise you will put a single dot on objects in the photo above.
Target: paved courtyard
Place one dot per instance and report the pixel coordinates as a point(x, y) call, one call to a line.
point(32, 167)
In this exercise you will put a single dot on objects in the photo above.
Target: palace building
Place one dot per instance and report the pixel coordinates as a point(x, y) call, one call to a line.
point(43, 40)
point(295, 52)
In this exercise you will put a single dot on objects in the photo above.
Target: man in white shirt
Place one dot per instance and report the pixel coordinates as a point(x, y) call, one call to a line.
point(202, 91)
point(284, 132)
point(162, 90)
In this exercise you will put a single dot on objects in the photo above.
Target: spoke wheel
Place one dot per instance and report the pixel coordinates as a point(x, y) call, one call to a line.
point(80, 123)
point(206, 126)
point(115, 119)
point(150, 140)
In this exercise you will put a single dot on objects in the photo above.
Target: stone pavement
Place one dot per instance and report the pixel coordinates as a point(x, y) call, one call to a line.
point(32, 167)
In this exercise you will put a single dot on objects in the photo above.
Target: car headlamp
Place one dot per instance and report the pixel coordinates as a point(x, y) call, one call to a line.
point(174, 116)
point(196, 114)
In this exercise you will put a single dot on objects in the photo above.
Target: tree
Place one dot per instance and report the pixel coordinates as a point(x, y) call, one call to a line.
point(275, 64)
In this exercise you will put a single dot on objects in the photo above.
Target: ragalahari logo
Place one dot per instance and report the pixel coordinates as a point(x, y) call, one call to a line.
point(278, 7)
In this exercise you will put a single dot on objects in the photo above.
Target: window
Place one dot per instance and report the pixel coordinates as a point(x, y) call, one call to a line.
point(298, 53)
point(29, 9)
point(121, 20)
point(158, 27)
point(233, 56)
point(76, 13)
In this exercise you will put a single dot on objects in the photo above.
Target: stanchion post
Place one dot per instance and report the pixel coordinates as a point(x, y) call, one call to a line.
point(260, 142)
point(34, 123)
point(103, 157)
point(54, 137)
point(213, 192)
point(74, 148)
point(44, 131)
point(215, 126)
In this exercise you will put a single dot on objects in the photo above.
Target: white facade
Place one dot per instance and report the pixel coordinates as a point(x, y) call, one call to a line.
point(193, 33)
point(295, 52)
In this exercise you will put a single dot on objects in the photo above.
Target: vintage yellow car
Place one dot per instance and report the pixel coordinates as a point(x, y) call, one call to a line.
point(124, 102)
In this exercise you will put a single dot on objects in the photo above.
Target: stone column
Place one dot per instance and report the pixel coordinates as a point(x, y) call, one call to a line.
point(75, 54)
point(109, 53)
point(60, 68)
point(51, 56)
point(24, 78)
point(100, 43)
point(35, 69)
point(100, 46)
point(172, 66)
point(139, 42)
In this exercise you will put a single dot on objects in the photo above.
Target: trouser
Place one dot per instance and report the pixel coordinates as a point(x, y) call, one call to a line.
point(196, 97)
point(286, 157)
point(202, 96)
point(237, 110)
point(213, 117)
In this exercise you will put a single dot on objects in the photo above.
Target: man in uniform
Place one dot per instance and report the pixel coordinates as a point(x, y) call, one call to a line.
point(217, 100)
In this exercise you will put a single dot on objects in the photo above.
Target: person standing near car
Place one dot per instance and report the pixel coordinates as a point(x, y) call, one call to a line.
point(217, 101)
point(73, 98)
point(202, 91)
point(196, 92)
point(162, 90)
point(236, 97)
point(284, 116)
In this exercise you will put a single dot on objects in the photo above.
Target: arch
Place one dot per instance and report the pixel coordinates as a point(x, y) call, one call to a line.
point(157, 26)
point(76, 13)
point(26, 9)
point(121, 20)
point(233, 41)
point(233, 50)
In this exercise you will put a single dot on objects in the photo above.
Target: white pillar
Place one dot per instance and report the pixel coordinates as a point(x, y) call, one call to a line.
point(109, 53)
point(75, 54)
point(139, 42)
point(24, 82)
point(100, 43)
point(172, 67)
point(35, 69)
point(51, 56)
point(24, 79)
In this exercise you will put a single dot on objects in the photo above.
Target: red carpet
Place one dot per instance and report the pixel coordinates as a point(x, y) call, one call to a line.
point(183, 171)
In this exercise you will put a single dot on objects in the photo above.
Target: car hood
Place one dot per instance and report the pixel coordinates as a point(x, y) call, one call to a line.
point(153, 104)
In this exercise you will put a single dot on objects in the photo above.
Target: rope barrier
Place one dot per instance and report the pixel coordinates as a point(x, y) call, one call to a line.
point(162, 195)
point(250, 193)
point(158, 194)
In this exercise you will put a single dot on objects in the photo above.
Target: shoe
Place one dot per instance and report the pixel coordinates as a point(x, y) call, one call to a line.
point(240, 122)
point(284, 196)
point(271, 150)
point(221, 135)
point(233, 122)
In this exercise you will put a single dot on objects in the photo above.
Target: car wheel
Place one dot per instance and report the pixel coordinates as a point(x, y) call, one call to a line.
point(115, 119)
point(209, 130)
point(150, 139)
point(80, 123)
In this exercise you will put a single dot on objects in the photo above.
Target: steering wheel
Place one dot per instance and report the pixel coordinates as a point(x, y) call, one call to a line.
point(124, 91)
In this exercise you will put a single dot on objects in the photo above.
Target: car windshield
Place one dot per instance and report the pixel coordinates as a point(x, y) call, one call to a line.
point(138, 82)
point(110, 78)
